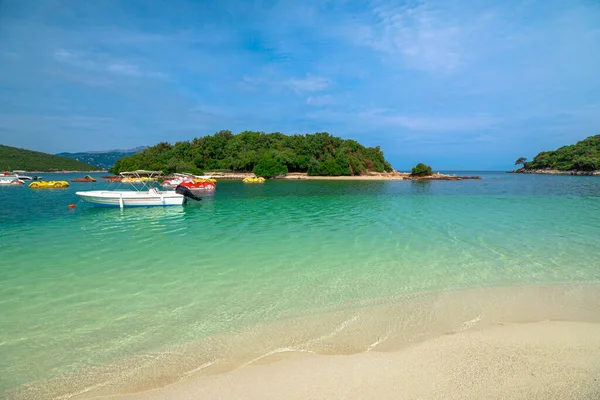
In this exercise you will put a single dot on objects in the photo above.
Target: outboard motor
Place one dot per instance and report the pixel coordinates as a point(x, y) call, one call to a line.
point(187, 193)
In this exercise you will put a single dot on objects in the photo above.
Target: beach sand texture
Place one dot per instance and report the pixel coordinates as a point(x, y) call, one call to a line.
point(542, 360)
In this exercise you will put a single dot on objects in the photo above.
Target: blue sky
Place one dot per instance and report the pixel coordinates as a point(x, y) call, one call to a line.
point(456, 84)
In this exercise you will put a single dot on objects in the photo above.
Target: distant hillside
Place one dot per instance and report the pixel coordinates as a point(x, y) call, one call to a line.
point(103, 159)
point(582, 156)
point(12, 158)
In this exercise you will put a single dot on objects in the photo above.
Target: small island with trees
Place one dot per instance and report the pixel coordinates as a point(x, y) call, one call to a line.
point(271, 155)
point(582, 158)
point(265, 154)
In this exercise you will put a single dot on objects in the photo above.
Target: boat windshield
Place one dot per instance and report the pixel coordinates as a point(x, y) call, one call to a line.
point(141, 179)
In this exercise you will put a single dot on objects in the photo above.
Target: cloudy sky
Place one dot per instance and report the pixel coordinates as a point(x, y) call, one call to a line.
point(456, 84)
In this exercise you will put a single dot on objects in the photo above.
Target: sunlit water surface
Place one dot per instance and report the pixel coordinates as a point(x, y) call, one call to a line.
point(85, 291)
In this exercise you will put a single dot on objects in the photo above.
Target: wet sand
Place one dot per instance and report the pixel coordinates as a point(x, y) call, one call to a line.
point(541, 360)
point(529, 342)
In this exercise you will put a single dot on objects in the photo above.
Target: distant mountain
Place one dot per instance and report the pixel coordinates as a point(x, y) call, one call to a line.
point(103, 159)
point(12, 158)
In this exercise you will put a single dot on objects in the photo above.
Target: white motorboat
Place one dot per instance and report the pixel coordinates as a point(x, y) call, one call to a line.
point(131, 198)
point(10, 179)
point(143, 195)
point(21, 176)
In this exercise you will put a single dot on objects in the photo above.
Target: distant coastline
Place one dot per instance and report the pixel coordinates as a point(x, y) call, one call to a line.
point(62, 172)
point(369, 176)
point(554, 172)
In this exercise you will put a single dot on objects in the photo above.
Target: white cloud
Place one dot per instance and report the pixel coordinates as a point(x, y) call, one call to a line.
point(103, 62)
point(73, 58)
point(419, 35)
point(309, 83)
point(125, 69)
point(442, 124)
point(384, 118)
point(318, 101)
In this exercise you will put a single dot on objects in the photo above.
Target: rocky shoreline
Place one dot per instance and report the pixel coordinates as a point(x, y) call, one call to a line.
point(390, 176)
point(441, 177)
point(554, 172)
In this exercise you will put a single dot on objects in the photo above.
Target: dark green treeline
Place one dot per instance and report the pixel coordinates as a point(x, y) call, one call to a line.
point(317, 154)
point(582, 156)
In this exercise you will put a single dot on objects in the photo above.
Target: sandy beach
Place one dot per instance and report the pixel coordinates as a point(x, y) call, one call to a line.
point(391, 176)
point(371, 176)
point(541, 360)
point(498, 343)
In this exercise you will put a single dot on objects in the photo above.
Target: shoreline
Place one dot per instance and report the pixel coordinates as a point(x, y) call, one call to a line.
point(335, 336)
point(554, 172)
point(536, 360)
point(63, 172)
point(372, 176)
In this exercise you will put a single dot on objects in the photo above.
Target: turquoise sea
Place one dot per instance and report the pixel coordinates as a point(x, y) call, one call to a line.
point(95, 301)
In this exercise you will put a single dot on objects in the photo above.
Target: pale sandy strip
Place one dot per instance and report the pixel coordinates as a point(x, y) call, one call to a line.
point(542, 360)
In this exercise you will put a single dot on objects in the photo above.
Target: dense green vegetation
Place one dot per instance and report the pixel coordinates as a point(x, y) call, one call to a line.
point(421, 170)
point(269, 167)
point(582, 156)
point(12, 158)
point(103, 159)
point(266, 154)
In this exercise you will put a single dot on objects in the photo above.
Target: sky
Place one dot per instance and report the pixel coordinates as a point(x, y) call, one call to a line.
point(455, 84)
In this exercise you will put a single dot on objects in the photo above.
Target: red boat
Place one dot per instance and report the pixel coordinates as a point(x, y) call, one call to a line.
point(206, 185)
point(86, 178)
point(112, 178)
point(192, 182)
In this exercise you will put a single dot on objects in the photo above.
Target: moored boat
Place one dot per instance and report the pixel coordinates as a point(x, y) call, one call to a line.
point(8, 177)
point(13, 180)
point(131, 198)
point(139, 197)
point(255, 179)
point(192, 182)
point(20, 175)
point(49, 184)
point(86, 178)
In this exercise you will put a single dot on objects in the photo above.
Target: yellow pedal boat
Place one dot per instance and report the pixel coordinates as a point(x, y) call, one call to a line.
point(254, 180)
point(49, 184)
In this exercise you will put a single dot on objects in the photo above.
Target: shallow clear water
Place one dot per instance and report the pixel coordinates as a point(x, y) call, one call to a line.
point(87, 287)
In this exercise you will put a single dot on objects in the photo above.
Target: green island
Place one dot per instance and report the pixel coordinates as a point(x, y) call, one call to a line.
point(265, 154)
point(12, 158)
point(582, 157)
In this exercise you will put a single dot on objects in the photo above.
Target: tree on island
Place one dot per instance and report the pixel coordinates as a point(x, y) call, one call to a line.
point(269, 167)
point(421, 170)
point(521, 161)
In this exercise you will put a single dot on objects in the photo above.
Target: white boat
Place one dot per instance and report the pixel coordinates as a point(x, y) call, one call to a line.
point(142, 196)
point(10, 179)
point(132, 198)
point(21, 176)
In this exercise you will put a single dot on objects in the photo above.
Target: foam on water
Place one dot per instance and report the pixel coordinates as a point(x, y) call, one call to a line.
point(95, 300)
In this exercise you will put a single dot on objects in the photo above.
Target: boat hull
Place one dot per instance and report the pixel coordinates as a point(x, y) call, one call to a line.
point(103, 198)
point(12, 182)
